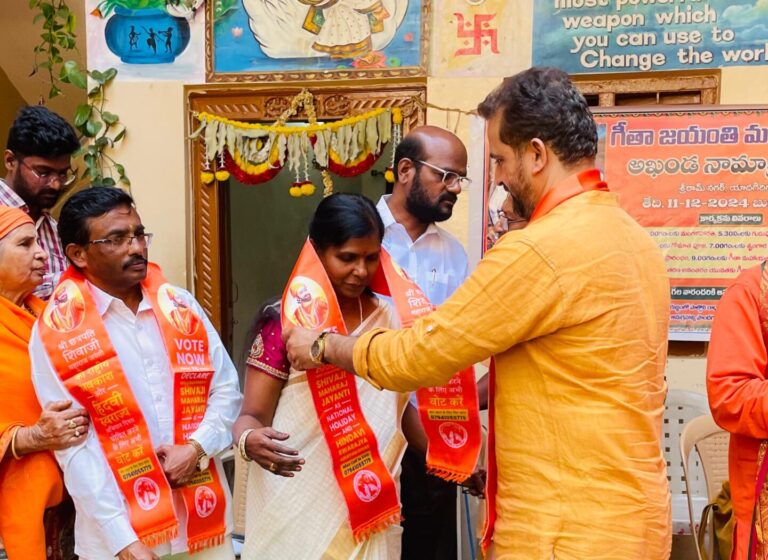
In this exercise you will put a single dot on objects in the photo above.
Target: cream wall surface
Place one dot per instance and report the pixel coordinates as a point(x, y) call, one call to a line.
point(153, 153)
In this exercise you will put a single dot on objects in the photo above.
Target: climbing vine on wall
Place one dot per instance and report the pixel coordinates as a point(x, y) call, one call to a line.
point(100, 129)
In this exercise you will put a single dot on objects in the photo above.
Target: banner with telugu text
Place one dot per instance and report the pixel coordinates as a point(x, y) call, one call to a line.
point(698, 181)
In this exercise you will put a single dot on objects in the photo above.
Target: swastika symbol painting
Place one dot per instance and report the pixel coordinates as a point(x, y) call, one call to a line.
point(476, 34)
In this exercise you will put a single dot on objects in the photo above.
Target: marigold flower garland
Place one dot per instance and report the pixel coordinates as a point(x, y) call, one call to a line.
point(255, 153)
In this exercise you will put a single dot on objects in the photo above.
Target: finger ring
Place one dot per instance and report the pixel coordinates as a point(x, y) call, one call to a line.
point(72, 424)
point(77, 433)
point(272, 467)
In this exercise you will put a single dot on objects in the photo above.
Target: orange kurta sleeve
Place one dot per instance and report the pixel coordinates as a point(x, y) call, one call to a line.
point(512, 296)
point(737, 359)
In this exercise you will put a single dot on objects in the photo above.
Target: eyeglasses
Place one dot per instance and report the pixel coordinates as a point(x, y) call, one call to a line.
point(509, 220)
point(450, 178)
point(123, 241)
point(65, 178)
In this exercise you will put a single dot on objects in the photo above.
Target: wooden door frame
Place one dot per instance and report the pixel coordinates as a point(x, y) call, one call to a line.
point(264, 103)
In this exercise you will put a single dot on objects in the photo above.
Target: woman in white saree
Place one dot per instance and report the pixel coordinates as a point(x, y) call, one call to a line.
point(294, 507)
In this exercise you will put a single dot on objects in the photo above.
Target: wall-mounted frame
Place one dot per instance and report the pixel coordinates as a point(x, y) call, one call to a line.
point(289, 40)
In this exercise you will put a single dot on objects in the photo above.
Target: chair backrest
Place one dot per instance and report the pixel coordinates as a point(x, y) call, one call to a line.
point(679, 408)
point(711, 444)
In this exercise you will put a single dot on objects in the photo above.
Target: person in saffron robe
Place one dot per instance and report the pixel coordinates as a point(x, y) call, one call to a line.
point(574, 309)
point(312, 309)
point(30, 479)
point(67, 313)
point(291, 477)
point(737, 387)
point(181, 315)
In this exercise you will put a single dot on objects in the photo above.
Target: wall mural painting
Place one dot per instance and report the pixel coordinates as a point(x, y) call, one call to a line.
point(471, 37)
point(264, 40)
point(147, 39)
point(630, 36)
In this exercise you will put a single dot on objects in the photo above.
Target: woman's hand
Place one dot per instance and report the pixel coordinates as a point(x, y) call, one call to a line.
point(59, 426)
point(261, 447)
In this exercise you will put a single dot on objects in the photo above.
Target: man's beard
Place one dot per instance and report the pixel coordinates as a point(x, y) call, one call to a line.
point(44, 199)
point(524, 195)
point(424, 210)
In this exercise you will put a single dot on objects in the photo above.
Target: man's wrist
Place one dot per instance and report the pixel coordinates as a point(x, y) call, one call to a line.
point(201, 461)
point(328, 351)
point(338, 351)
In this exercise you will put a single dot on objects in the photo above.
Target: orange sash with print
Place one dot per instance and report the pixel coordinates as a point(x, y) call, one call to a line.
point(574, 185)
point(82, 354)
point(368, 489)
point(450, 414)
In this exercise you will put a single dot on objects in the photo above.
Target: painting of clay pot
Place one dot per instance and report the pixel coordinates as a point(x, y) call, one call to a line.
point(146, 36)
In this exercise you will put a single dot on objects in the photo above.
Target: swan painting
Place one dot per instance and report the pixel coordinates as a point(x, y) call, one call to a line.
point(335, 29)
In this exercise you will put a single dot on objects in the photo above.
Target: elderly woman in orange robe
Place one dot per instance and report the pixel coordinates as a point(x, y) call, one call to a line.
point(30, 480)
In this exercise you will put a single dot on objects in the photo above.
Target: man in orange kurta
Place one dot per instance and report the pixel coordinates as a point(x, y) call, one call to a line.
point(737, 386)
point(574, 308)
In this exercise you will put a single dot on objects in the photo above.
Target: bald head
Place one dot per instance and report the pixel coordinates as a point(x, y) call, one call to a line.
point(425, 141)
point(430, 167)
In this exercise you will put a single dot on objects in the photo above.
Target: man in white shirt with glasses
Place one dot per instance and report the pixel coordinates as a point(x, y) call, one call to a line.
point(37, 160)
point(430, 172)
point(125, 307)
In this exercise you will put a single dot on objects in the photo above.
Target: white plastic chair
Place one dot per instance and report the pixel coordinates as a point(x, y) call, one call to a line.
point(711, 444)
point(680, 407)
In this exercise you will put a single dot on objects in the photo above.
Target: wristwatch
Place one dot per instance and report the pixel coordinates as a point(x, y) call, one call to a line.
point(203, 461)
point(317, 350)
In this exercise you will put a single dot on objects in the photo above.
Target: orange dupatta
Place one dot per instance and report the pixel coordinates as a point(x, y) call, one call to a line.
point(363, 479)
point(33, 483)
point(450, 413)
point(573, 185)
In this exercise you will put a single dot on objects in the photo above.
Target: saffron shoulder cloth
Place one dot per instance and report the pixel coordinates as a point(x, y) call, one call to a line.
point(758, 547)
point(84, 358)
point(362, 476)
point(450, 414)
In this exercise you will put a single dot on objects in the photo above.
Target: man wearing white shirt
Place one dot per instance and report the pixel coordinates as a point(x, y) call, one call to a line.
point(106, 242)
point(430, 172)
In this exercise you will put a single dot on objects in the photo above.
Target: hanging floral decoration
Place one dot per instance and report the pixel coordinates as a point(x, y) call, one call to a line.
point(397, 135)
point(256, 153)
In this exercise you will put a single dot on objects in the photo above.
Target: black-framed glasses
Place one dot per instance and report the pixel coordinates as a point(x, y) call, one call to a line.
point(450, 178)
point(123, 241)
point(65, 178)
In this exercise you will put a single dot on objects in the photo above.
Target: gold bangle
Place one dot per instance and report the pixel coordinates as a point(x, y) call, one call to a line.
point(241, 445)
point(13, 443)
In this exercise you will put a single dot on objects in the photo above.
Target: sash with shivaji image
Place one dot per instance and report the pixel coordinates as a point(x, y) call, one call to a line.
point(450, 414)
point(80, 350)
point(369, 492)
